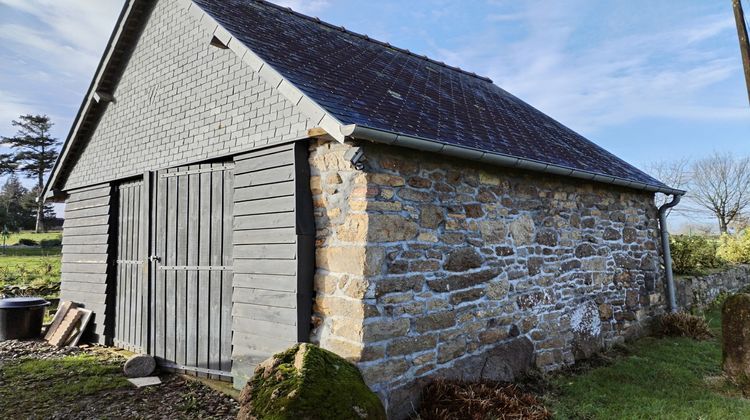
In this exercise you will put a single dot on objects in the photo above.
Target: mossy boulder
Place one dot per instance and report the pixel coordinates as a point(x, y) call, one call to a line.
point(735, 326)
point(307, 382)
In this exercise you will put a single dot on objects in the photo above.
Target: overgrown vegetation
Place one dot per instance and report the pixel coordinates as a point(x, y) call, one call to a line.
point(448, 400)
point(684, 325)
point(693, 254)
point(41, 386)
point(735, 248)
point(31, 270)
point(671, 378)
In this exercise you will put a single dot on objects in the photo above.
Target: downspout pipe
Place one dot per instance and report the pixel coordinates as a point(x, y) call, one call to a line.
point(667, 250)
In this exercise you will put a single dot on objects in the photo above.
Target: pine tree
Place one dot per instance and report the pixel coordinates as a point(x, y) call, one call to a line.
point(35, 153)
point(14, 205)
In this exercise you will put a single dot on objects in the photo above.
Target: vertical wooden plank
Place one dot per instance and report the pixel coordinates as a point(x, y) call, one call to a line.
point(227, 275)
point(192, 260)
point(217, 200)
point(119, 275)
point(182, 251)
point(127, 308)
point(146, 199)
point(131, 298)
point(204, 277)
point(159, 278)
point(137, 290)
point(170, 259)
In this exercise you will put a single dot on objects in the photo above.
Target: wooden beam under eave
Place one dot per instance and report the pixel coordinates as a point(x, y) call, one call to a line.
point(317, 132)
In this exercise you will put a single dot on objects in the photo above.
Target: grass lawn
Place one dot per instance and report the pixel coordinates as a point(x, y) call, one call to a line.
point(669, 378)
point(37, 387)
point(15, 237)
point(36, 271)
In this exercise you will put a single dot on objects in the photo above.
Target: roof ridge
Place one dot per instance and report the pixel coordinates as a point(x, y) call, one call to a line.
point(373, 40)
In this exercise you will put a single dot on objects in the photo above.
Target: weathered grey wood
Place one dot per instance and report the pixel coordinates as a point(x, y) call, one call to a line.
point(227, 276)
point(86, 287)
point(282, 158)
point(271, 298)
point(265, 329)
point(128, 301)
point(286, 316)
point(193, 227)
point(100, 239)
point(102, 201)
point(98, 210)
point(159, 290)
point(279, 189)
point(265, 206)
point(183, 192)
point(216, 240)
point(265, 251)
point(204, 330)
point(88, 221)
point(81, 278)
point(197, 226)
point(85, 249)
point(281, 267)
point(267, 176)
point(93, 268)
point(265, 236)
point(259, 154)
point(87, 231)
point(83, 194)
point(264, 221)
point(254, 342)
point(70, 257)
point(170, 258)
point(266, 282)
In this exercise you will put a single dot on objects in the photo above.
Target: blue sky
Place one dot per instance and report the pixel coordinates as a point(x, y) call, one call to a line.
point(648, 80)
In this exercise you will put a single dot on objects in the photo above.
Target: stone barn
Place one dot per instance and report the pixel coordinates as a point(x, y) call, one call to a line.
point(241, 177)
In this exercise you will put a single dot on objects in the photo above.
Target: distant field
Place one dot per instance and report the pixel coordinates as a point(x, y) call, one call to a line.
point(15, 237)
point(32, 271)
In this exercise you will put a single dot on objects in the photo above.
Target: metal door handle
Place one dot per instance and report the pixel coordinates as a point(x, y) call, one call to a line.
point(154, 258)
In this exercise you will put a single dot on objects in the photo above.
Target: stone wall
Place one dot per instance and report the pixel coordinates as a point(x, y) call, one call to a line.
point(695, 292)
point(434, 266)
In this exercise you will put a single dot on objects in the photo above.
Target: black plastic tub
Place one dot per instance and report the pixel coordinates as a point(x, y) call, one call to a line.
point(21, 318)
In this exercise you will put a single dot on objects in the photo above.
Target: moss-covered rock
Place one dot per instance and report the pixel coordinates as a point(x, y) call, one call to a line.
point(735, 326)
point(307, 382)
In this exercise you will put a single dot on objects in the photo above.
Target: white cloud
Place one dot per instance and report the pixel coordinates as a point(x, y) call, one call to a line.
point(304, 6)
point(613, 75)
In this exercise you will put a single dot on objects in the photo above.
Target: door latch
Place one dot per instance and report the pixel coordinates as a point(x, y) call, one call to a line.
point(154, 258)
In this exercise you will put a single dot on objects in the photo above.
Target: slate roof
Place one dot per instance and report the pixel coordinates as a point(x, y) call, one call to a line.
point(372, 84)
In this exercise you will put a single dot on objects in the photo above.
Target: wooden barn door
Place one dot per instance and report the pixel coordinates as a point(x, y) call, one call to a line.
point(192, 268)
point(131, 311)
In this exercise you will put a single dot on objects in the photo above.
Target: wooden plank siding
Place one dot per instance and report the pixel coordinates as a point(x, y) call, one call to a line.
point(192, 274)
point(273, 251)
point(88, 236)
point(130, 312)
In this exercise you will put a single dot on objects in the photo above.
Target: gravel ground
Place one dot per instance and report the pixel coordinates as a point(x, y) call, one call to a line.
point(175, 398)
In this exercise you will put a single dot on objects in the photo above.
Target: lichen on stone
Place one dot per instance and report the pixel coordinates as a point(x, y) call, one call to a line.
point(307, 382)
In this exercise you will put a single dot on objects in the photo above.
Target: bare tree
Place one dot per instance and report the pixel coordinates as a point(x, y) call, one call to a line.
point(673, 173)
point(720, 185)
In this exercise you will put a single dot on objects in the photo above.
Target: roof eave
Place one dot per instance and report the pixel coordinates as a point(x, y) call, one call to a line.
point(496, 159)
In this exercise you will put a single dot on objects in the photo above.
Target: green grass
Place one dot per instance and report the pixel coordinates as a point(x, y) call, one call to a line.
point(669, 378)
point(15, 237)
point(39, 387)
point(32, 271)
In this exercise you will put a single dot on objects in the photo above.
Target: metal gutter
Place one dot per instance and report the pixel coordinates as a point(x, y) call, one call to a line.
point(496, 159)
point(667, 251)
